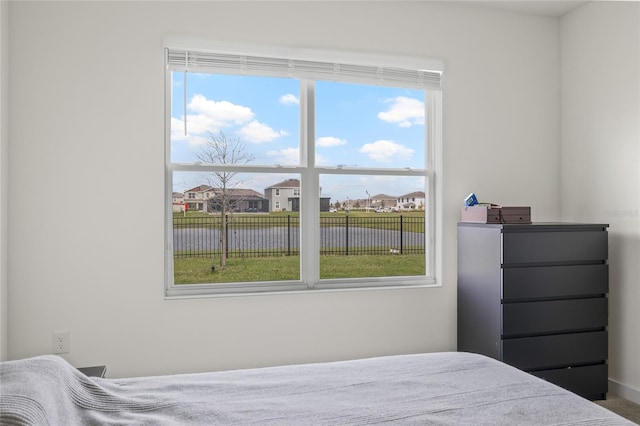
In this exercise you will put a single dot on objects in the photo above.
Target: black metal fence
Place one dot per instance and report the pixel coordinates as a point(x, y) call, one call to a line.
point(260, 236)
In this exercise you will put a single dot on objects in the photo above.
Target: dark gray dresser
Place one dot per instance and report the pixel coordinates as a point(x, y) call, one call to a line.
point(535, 296)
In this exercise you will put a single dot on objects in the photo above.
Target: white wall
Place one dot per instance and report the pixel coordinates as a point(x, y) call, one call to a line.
point(87, 117)
point(601, 160)
point(4, 175)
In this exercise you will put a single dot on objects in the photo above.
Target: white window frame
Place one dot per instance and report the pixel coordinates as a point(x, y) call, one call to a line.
point(310, 178)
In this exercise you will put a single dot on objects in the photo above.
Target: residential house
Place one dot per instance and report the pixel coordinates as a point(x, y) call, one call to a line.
point(209, 199)
point(383, 201)
point(412, 201)
point(285, 196)
point(238, 200)
point(360, 204)
point(177, 200)
point(196, 198)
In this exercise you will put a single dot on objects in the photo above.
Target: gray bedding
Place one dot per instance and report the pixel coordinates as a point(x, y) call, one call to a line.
point(447, 388)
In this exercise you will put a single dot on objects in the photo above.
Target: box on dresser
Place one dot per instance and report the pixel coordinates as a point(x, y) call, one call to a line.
point(491, 213)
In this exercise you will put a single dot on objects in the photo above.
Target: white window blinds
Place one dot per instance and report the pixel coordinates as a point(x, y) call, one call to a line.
point(225, 63)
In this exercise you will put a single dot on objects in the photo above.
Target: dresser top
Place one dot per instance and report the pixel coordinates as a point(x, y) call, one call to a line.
point(537, 226)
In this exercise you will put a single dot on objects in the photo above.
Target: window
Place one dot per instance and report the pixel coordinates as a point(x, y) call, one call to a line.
point(300, 163)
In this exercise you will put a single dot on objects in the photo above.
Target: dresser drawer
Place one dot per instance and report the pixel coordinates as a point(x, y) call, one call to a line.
point(555, 316)
point(588, 381)
point(554, 281)
point(554, 246)
point(556, 351)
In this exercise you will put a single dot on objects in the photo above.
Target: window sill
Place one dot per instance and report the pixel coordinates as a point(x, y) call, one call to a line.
point(323, 288)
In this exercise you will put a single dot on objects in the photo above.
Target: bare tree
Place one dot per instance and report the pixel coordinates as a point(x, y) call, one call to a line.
point(222, 150)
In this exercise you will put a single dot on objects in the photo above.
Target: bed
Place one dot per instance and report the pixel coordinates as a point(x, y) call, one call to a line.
point(445, 388)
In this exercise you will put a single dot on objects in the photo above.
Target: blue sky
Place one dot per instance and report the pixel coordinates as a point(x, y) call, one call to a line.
point(356, 125)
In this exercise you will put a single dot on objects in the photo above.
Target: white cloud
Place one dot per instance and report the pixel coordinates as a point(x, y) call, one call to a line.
point(321, 160)
point(289, 99)
point(206, 115)
point(404, 111)
point(197, 129)
point(219, 114)
point(257, 132)
point(328, 141)
point(177, 129)
point(385, 151)
point(286, 156)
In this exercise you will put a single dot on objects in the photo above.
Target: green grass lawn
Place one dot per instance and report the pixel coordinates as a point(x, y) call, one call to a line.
point(197, 270)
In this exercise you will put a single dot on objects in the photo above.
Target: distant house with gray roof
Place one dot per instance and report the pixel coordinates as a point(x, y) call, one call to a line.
point(285, 196)
point(209, 199)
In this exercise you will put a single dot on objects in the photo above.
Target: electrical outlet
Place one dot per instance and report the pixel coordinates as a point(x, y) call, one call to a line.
point(61, 343)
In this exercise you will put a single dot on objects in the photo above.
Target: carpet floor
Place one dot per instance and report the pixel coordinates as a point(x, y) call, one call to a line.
point(622, 407)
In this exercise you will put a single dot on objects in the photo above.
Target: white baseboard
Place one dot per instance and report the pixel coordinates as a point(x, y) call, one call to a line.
point(624, 391)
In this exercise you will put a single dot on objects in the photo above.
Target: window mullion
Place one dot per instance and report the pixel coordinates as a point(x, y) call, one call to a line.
point(433, 139)
point(168, 184)
point(310, 187)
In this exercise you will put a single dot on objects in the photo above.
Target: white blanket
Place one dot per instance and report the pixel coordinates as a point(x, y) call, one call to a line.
point(425, 389)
